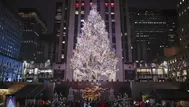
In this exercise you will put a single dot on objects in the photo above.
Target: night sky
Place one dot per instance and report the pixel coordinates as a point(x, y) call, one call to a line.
point(47, 7)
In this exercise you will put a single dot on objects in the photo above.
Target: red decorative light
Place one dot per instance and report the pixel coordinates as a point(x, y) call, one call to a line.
point(42, 102)
point(91, 3)
point(106, 4)
point(112, 4)
point(77, 5)
point(82, 4)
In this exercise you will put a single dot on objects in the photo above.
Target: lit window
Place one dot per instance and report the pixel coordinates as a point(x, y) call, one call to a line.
point(112, 4)
point(59, 10)
point(77, 5)
point(106, 4)
point(91, 3)
point(63, 42)
point(182, 29)
point(64, 27)
point(62, 56)
point(76, 12)
point(82, 4)
point(112, 12)
point(82, 12)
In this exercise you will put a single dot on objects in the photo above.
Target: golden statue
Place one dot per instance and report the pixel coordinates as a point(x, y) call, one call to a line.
point(92, 94)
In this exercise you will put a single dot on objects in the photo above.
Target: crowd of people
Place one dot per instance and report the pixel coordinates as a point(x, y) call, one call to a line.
point(84, 104)
point(159, 103)
point(101, 104)
point(60, 101)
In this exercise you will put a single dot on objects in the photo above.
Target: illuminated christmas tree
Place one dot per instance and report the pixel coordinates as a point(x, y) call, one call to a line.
point(94, 56)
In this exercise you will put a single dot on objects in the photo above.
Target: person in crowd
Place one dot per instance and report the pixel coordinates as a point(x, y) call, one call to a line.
point(102, 104)
point(85, 104)
point(81, 104)
point(158, 104)
point(92, 104)
point(142, 104)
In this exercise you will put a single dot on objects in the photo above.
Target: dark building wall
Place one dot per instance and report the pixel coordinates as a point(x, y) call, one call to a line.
point(33, 47)
point(125, 31)
point(29, 46)
point(151, 31)
point(59, 48)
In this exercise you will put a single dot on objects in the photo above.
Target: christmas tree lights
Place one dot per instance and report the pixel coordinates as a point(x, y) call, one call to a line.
point(93, 56)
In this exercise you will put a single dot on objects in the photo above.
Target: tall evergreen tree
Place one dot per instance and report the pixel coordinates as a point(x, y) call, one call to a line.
point(94, 56)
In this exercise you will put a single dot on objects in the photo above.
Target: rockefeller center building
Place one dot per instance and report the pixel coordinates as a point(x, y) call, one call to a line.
point(34, 27)
point(11, 32)
point(178, 64)
point(151, 32)
point(69, 19)
point(154, 33)
point(133, 33)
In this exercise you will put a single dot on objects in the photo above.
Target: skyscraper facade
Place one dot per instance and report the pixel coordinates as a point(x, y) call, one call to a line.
point(71, 15)
point(182, 10)
point(178, 64)
point(34, 28)
point(11, 32)
point(61, 30)
point(60, 45)
point(151, 32)
point(125, 32)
